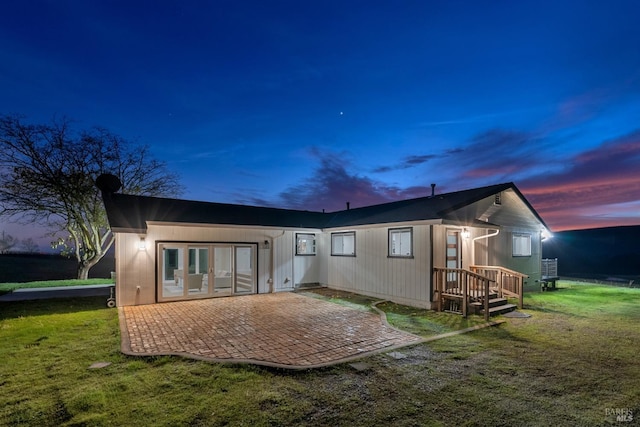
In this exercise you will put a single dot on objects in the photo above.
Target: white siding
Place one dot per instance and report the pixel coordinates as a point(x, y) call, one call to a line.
point(137, 268)
point(283, 253)
point(372, 272)
point(134, 268)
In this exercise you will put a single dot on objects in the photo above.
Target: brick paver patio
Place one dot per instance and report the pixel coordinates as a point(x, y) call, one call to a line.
point(282, 329)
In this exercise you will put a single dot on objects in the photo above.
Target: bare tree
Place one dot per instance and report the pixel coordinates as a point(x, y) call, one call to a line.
point(30, 246)
point(48, 172)
point(7, 242)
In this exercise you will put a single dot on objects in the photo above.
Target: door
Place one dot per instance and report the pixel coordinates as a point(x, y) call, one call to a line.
point(453, 256)
point(171, 277)
point(196, 270)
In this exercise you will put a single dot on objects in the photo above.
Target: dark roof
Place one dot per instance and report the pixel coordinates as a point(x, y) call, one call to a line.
point(423, 208)
point(129, 213)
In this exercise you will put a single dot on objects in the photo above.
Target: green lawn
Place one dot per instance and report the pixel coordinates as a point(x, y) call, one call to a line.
point(571, 362)
point(418, 321)
point(8, 287)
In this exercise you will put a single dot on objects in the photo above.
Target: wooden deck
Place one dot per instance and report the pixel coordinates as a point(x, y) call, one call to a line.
point(481, 287)
point(549, 274)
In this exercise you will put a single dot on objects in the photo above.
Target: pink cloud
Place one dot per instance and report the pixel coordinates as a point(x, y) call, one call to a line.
point(597, 188)
point(592, 189)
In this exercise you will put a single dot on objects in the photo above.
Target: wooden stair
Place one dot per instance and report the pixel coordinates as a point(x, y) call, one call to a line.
point(496, 306)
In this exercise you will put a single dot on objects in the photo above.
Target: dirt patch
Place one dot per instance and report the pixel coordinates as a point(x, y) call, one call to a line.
point(331, 294)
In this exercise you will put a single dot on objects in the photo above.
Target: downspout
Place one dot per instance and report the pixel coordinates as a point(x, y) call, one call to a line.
point(273, 261)
point(473, 243)
point(431, 260)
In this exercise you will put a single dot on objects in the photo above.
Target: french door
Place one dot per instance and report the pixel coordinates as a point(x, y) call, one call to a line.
point(195, 270)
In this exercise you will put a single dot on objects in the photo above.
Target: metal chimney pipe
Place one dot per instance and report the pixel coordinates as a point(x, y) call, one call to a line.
point(433, 190)
point(348, 205)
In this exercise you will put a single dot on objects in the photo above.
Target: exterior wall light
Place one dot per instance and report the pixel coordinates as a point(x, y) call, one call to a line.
point(465, 234)
point(142, 245)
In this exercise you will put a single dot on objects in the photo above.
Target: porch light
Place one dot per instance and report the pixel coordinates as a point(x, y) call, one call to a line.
point(142, 245)
point(465, 234)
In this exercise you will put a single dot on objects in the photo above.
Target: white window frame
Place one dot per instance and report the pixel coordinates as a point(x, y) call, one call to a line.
point(405, 249)
point(340, 245)
point(521, 245)
point(305, 244)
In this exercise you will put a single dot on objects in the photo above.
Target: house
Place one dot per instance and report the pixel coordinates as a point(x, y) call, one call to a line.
point(418, 252)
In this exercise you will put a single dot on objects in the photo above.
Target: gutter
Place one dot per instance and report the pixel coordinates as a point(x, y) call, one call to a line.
point(473, 241)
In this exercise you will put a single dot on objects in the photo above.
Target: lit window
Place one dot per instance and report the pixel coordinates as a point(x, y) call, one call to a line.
point(521, 245)
point(305, 244)
point(401, 242)
point(343, 244)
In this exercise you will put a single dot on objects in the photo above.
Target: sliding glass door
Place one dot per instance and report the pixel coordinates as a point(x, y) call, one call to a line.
point(197, 279)
point(244, 282)
point(223, 270)
point(195, 270)
point(171, 277)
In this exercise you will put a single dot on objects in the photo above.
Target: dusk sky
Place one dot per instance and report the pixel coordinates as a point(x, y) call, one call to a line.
point(309, 104)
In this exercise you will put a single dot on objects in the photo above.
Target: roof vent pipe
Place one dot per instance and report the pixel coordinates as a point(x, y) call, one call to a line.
point(433, 190)
point(348, 205)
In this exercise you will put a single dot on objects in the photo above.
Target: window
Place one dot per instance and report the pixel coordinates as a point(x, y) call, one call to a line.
point(305, 244)
point(401, 242)
point(343, 244)
point(521, 245)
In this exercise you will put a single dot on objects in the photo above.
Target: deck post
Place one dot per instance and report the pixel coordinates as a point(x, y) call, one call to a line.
point(486, 300)
point(465, 293)
point(438, 290)
point(521, 292)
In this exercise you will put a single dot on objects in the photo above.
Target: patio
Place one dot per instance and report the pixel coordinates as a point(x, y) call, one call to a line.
point(283, 330)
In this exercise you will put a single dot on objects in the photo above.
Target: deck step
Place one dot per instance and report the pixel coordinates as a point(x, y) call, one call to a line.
point(501, 309)
point(496, 306)
point(493, 302)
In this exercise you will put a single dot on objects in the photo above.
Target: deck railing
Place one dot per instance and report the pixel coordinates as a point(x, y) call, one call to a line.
point(460, 286)
point(549, 267)
point(508, 283)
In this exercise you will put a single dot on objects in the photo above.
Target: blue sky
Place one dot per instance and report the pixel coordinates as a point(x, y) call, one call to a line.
point(309, 104)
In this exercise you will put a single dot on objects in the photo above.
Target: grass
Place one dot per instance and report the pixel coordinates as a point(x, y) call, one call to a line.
point(572, 360)
point(418, 321)
point(8, 287)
